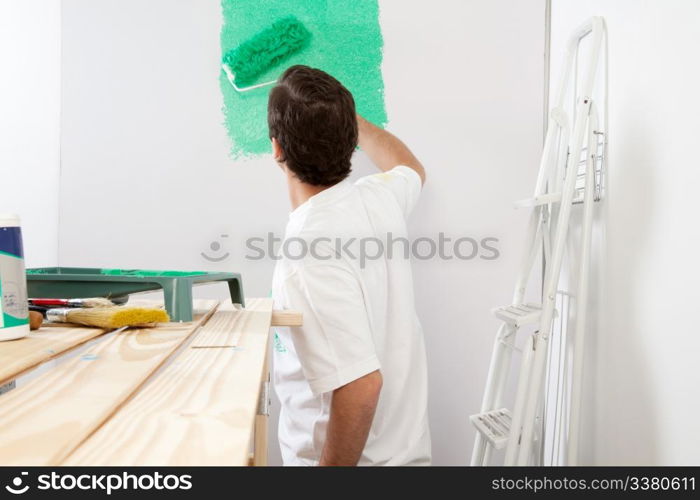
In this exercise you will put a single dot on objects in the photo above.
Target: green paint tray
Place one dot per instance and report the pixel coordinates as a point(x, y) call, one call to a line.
point(82, 282)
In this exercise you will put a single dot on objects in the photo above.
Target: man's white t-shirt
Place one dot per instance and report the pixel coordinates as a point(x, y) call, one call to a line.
point(345, 265)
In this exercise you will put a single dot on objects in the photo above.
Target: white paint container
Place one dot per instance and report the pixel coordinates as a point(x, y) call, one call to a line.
point(14, 313)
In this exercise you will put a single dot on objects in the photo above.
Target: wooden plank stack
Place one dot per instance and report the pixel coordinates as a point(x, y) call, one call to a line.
point(178, 394)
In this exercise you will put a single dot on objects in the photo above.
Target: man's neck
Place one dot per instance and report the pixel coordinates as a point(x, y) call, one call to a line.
point(300, 192)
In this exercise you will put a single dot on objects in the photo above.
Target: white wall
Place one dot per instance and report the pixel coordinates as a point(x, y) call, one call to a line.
point(147, 182)
point(29, 122)
point(641, 365)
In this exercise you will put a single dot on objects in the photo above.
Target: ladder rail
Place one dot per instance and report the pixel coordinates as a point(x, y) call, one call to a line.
point(535, 235)
point(514, 441)
point(556, 178)
point(582, 297)
point(548, 163)
point(489, 399)
point(577, 369)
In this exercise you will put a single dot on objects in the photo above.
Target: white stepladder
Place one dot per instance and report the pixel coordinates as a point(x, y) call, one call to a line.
point(571, 173)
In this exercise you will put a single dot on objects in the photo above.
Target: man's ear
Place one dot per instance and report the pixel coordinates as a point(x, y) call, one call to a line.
point(276, 149)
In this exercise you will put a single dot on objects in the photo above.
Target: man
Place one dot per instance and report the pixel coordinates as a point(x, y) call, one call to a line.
point(352, 381)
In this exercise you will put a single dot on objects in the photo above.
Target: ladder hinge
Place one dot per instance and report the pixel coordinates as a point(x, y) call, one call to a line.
point(264, 401)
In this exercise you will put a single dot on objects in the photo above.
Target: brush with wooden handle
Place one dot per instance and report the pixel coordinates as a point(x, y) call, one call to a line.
point(35, 320)
point(90, 302)
point(108, 317)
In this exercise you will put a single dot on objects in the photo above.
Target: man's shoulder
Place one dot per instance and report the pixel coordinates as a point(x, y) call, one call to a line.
point(343, 218)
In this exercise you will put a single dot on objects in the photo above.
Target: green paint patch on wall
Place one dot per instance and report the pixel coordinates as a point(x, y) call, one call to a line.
point(346, 41)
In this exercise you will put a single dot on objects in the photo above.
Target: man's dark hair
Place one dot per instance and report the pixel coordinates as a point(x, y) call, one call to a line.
point(313, 118)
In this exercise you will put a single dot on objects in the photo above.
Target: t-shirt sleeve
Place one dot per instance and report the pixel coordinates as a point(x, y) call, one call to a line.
point(402, 182)
point(335, 345)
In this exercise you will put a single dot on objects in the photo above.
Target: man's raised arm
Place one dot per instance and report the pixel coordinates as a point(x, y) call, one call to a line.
point(385, 149)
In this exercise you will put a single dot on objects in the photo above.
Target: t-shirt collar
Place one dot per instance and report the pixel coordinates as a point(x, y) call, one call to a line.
point(326, 196)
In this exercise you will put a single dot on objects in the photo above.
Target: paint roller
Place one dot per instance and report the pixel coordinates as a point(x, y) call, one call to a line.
point(267, 49)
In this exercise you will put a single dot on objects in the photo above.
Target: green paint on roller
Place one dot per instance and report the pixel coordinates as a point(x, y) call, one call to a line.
point(147, 273)
point(267, 49)
point(346, 41)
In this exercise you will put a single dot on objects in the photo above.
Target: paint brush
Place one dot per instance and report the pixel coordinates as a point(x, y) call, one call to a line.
point(90, 302)
point(35, 320)
point(108, 317)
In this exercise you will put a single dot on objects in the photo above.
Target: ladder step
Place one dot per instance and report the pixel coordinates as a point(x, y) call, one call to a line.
point(523, 314)
point(543, 199)
point(494, 425)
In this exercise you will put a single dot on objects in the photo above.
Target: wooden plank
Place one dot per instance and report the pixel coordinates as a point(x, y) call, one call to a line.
point(260, 447)
point(261, 420)
point(19, 356)
point(42, 422)
point(51, 340)
point(286, 317)
point(200, 410)
point(225, 329)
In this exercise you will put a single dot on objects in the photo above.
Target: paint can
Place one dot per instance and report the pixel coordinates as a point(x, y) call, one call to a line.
point(14, 312)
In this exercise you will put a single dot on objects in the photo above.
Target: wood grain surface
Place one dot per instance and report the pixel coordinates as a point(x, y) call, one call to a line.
point(201, 408)
point(42, 422)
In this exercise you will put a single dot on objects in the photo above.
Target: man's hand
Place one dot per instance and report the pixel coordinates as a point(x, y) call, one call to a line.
point(352, 412)
point(385, 149)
